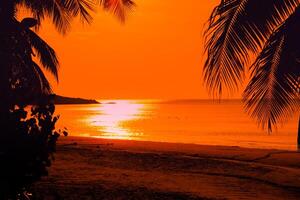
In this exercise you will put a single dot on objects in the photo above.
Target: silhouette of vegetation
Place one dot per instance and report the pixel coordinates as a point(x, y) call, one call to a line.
point(28, 139)
point(27, 147)
point(20, 77)
point(239, 30)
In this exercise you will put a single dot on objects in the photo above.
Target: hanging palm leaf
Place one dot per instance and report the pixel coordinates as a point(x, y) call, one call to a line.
point(235, 28)
point(273, 91)
point(238, 29)
point(118, 7)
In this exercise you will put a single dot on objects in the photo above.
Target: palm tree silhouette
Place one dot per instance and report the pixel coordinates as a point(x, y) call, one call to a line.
point(239, 30)
point(22, 79)
point(26, 79)
point(20, 76)
point(26, 144)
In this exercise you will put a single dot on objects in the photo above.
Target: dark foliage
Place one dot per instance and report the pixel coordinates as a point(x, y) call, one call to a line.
point(268, 30)
point(28, 139)
point(27, 145)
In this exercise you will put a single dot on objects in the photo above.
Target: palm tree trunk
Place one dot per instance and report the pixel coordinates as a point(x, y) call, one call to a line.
point(7, 12)
point(298, 142)
point(4, 86)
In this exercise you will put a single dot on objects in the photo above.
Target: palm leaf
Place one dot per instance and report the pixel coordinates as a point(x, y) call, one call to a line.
point(63, 11)
point(118, 7)
point(54, 9)
point(32, 84)
point(45, 53)
point(274, 89)
point(235, 28)
point(59, 15)
point(45, 86)
point(81, 8)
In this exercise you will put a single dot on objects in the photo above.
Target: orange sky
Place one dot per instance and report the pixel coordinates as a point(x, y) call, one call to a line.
point(156, 54)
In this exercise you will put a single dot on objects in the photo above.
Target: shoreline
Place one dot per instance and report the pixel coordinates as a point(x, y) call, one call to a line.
point(95, 139)
point(119, 169)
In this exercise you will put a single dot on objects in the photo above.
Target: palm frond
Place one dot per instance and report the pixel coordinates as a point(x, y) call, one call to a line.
point(31, 84)
point(60, 16)
point(118, 7)
point(274, 89)
point(63, 11)
point(27, 80)
point(81, 8)
point(45, 53)
point(36, 9)
point(54, 9)
point(45, 86)
point(235, 28)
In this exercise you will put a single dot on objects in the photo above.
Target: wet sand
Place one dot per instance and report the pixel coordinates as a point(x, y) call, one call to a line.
point(87, 168)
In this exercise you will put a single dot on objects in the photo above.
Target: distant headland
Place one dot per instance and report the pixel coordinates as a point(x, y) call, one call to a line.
point(71, 100)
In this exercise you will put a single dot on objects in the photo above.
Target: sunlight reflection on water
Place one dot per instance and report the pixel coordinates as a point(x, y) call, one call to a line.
point(200, 122)
point(109, 118)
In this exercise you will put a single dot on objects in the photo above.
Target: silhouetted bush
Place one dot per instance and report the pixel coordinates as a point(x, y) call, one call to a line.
point(27, 143)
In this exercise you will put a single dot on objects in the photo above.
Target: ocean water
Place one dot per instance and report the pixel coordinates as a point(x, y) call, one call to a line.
point(198, 122)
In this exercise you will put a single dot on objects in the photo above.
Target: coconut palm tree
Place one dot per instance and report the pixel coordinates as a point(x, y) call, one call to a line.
point(26, 79)
point(26, 142)
point(268, 30)
point(19, 74)
point(17, 39)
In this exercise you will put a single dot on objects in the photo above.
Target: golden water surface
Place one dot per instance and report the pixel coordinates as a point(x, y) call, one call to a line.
point(200, 122)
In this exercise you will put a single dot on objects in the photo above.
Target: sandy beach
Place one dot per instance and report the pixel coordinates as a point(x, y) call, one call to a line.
point(87, 168)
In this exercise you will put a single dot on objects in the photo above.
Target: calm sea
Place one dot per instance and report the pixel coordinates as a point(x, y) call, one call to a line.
point(197, 121)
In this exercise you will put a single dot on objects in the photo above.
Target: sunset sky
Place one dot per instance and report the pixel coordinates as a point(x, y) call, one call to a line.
point(157, 54)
